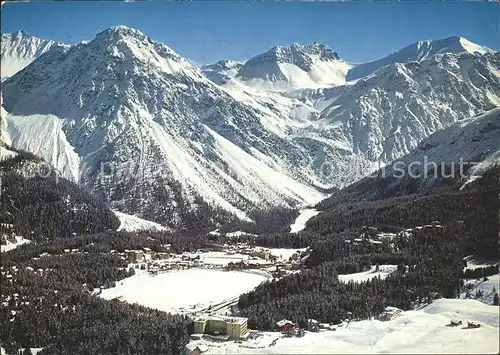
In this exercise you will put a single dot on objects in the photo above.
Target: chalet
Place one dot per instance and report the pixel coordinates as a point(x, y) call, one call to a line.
point(118, 299)
point(390, 313)
point(327, 326)
point(285, 326)
point(134, 256)
point(236, 265)
point(195, 349)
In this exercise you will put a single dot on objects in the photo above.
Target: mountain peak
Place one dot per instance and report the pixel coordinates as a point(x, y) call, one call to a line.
point(121, 31)
point(298, 54)
point(417, 52)
point(21, 33)
point(127, 43)
point(222, 71)
point(295, 66)
point(19, 49)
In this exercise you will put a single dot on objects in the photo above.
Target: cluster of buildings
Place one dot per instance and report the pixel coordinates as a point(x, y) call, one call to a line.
point(146, 254)
point(232, 257)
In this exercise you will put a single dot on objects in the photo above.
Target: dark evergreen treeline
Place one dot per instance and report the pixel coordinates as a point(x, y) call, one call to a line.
point(46, 286)
point(429, 259)
point(267, 220)
point(168, 205)
point(386, 184)
point(284, 240)
point(48, 302)
point(42, 206)
point(475, 209)
point(71, 322)
point(107, 242)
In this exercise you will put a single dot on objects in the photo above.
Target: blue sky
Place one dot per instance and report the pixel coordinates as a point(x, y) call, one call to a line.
point(207, 31)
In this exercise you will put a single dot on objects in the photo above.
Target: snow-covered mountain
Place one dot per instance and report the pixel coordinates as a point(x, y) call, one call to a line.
point(456, 155)
point(221, 71)
point(385, 115)
point(137, 124)
point(475, 141)
point(417, 52)
point(170, 135)
point(19, 49)
point(285, 68)
point(354, 129)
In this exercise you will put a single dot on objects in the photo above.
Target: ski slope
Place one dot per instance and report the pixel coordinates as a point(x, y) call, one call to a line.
point(304, 216)
point(130, 223)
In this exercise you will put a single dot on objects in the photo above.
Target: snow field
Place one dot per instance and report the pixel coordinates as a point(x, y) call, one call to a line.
point(304, 216)
point(384, 271)
point(10, 246)
point(131, 223)
point(184, 290)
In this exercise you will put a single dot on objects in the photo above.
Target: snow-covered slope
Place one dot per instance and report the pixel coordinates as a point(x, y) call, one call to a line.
point(42, 135)
point(387, 114)
point(221, 71)
point(351, 130)
point(9, 245)
point(4, 136)
point(415, 332)
point(294, 67)
point(130, 223)
point(475, 141)
point(19, 49)
point(304, 215)
point(417, 52)
point(146, 125)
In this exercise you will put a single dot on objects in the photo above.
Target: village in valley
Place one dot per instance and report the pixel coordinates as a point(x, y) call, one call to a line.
point(205, 286)
point(210, 280)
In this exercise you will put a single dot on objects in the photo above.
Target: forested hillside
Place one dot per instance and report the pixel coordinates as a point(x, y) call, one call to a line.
point(430, 233)
point(47, 286)
point(39, 205)
point(47, 301)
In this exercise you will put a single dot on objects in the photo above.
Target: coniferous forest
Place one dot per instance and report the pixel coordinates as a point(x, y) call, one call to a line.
point(429, 259)
point(46, 292)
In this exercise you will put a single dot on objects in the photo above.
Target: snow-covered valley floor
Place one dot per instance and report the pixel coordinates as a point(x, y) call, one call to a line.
point(184, 291)
point(415, 332)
